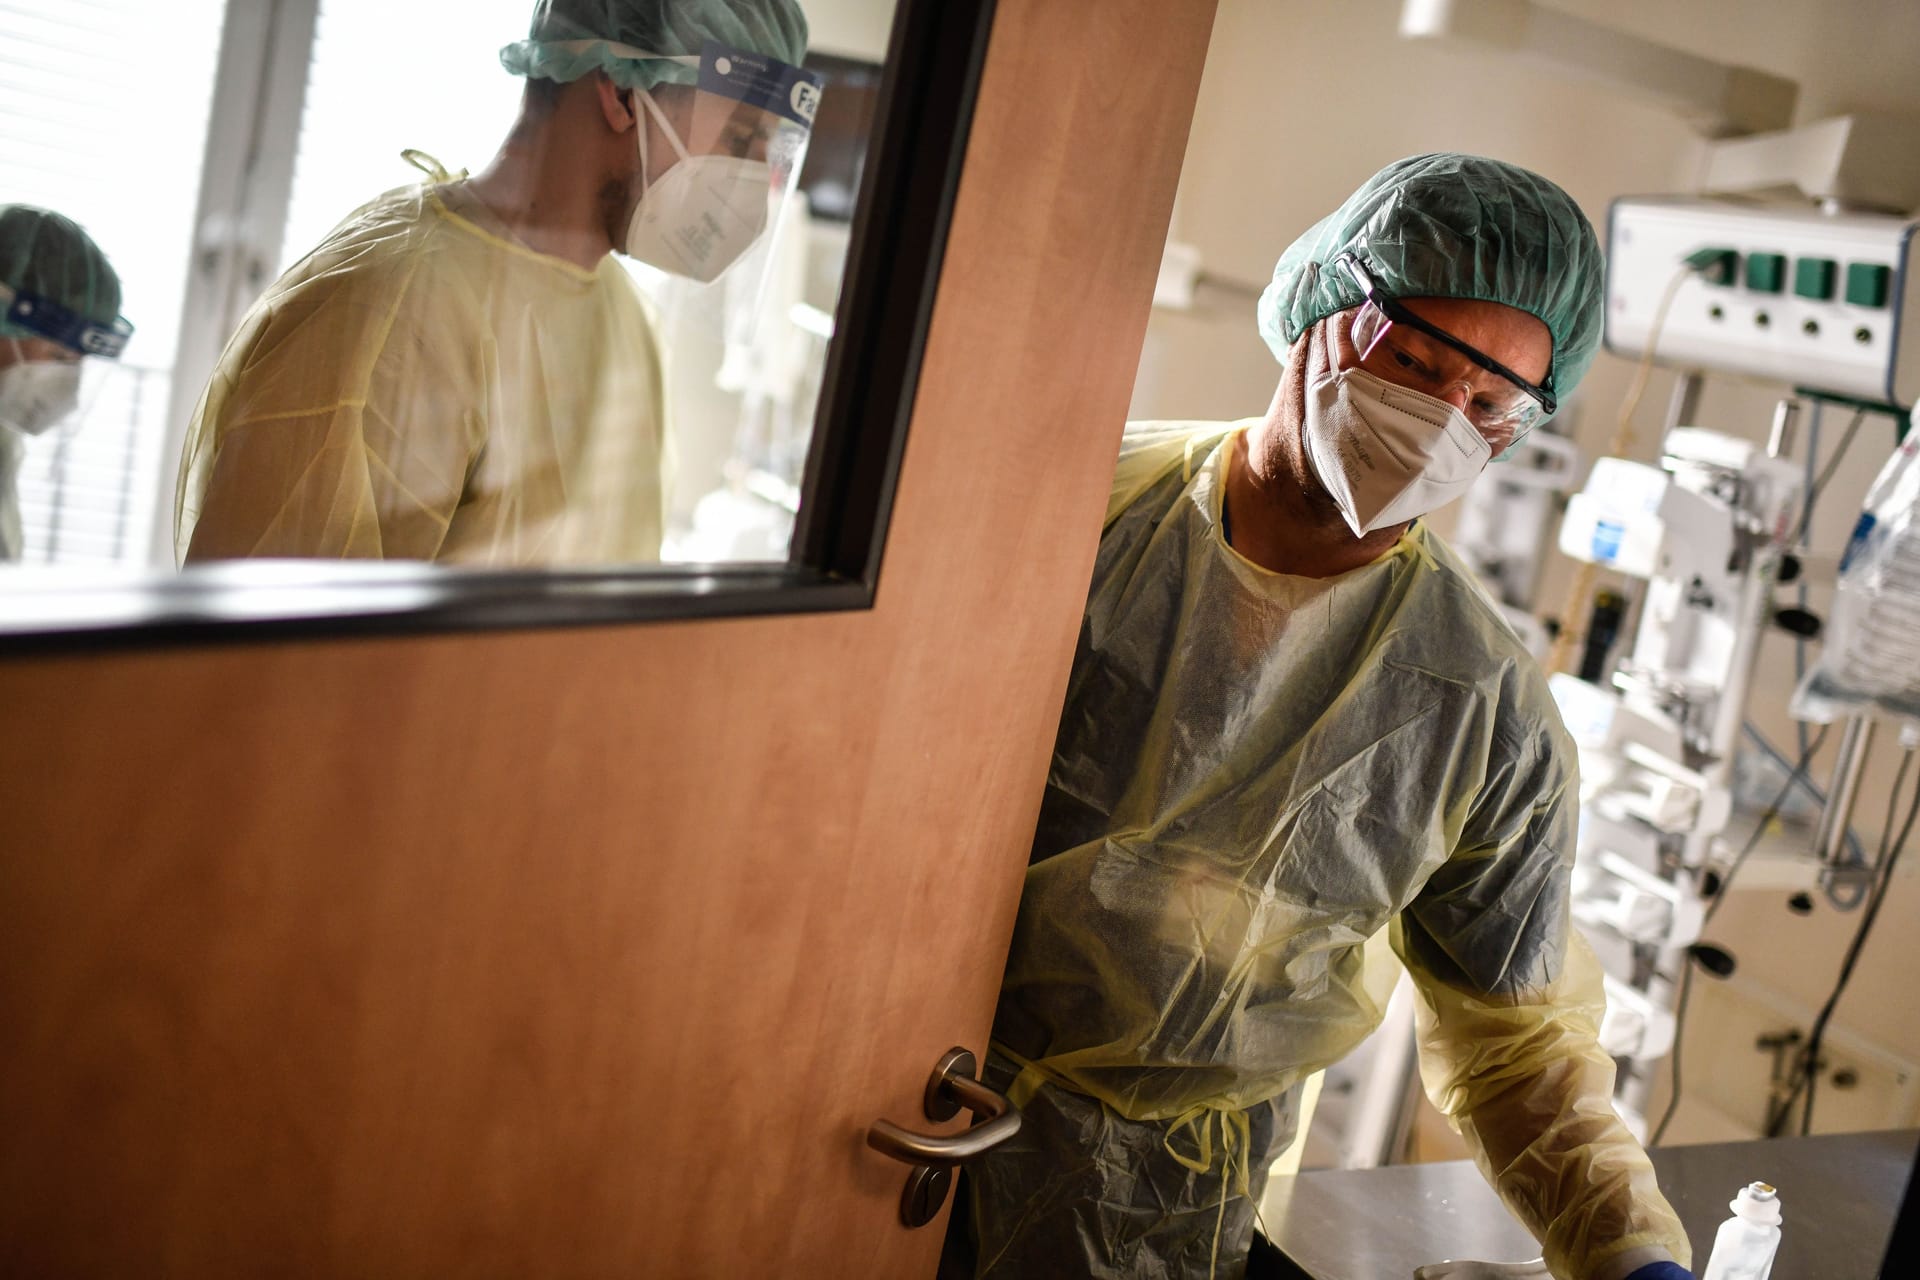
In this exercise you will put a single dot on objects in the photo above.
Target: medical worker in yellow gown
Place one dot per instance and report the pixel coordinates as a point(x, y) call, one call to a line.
point(461, 372)
point(1298, 738)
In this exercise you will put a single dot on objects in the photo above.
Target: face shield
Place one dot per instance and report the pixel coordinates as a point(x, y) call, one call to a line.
point(738, 136)
point(38, 391)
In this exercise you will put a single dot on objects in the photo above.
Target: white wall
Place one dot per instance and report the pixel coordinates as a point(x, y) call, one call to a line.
point(850, 28)
point(1303, 99)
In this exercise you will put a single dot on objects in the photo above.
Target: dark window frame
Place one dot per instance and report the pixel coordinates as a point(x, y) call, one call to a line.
point(898, 241)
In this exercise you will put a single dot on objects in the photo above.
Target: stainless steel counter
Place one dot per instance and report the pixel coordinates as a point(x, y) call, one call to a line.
point(1838, 1196)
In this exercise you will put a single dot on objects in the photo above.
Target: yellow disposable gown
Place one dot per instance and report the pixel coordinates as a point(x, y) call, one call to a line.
point(1259, 782)
point(423, 387)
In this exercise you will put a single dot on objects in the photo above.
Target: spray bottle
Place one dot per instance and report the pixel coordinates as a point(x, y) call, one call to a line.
point(1743, 1249)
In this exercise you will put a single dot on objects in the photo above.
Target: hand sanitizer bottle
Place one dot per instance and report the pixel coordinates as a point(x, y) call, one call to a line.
point(1743, 1249)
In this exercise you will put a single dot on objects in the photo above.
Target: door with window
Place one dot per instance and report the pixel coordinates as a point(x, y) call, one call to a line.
point(595, 951)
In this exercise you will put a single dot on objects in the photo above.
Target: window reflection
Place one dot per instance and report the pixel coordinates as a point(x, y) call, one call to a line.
point(598, 343)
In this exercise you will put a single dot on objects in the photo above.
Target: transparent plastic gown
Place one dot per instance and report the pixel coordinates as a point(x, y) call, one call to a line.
point(423, 387)
point(1259, 781)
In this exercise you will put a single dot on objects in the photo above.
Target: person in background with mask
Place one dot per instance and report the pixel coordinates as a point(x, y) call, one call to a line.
point(1297, 733)
point(59, 303)
point(461, 372)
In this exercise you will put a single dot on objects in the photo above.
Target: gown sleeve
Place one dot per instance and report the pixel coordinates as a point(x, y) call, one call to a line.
point(1508, 1021)
point(342, 421)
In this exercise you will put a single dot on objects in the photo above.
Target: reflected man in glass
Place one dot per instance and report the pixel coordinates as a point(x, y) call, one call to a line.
point(461, 372)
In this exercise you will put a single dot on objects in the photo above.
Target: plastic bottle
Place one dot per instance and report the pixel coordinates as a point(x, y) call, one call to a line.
point(1743, 1248)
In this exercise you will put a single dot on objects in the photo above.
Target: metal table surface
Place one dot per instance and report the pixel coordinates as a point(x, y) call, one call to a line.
point(1838, 1198)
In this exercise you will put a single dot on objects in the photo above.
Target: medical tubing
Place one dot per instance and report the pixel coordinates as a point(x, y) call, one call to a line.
point(1771, 812)
point(1826, 474)
point(1806, 784)
point(1623, 425)
point(1780, 758)
point(1810, 1059)
point(1807, 491)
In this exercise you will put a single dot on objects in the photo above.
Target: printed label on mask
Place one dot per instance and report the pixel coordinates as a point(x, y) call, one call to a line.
point(760, 81)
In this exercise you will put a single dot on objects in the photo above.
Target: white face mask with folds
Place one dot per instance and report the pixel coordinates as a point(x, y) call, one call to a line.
point(1386, 454)
point(35, 395)
point(699, 216)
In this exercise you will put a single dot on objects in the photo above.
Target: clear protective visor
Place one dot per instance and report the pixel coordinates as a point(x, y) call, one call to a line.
point(62, 392)
point(1500, 409)
point(744, 123)
point(747, 128)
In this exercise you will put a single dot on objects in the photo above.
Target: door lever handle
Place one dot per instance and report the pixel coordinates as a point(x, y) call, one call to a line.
point(951, 1088)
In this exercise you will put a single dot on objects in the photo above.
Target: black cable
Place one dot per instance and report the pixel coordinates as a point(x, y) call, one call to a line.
point(1800, 1072)
point(1772, 811)
point(1808, 1069)
point(1778, 1111)
point(1876, 893)
point(1673, 1058)
point(1811, 1072)
point(1887, 855)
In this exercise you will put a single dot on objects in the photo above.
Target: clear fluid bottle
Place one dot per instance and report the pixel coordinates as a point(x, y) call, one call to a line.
point(1744, 1247)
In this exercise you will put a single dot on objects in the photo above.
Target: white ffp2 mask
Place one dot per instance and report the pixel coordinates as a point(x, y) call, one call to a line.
point(702, 214)
point(36, 394)
point(1386, 454)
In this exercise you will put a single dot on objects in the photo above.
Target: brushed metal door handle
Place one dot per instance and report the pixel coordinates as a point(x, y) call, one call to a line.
point(951, 1088)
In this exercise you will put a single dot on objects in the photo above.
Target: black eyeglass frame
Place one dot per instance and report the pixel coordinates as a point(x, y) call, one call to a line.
point(1398, 314)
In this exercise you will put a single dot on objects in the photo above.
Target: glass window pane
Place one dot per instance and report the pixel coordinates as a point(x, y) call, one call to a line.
point(103, 115)
point(390, 75)
point(516, 403)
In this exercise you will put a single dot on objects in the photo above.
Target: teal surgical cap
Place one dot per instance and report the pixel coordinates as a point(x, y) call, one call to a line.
point(571, 38)
point(46, 254)
point(1451, 226)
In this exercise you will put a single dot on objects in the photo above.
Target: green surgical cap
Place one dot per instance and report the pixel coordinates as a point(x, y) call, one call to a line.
point(775, 28)
point(42, 252)
point(1451, 226)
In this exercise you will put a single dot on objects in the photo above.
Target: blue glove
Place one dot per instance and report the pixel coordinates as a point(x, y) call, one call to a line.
point(1662, 1271)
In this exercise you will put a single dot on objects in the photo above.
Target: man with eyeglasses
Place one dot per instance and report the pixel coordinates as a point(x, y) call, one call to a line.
point(1297, 734)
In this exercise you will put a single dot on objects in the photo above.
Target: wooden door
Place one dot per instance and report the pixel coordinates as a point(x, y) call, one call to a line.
point(594, 952)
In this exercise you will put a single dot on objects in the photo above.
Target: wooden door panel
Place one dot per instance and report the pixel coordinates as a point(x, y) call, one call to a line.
point(594, 952)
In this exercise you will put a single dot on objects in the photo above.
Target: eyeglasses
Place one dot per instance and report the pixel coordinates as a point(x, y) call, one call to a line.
point(1397, 345)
